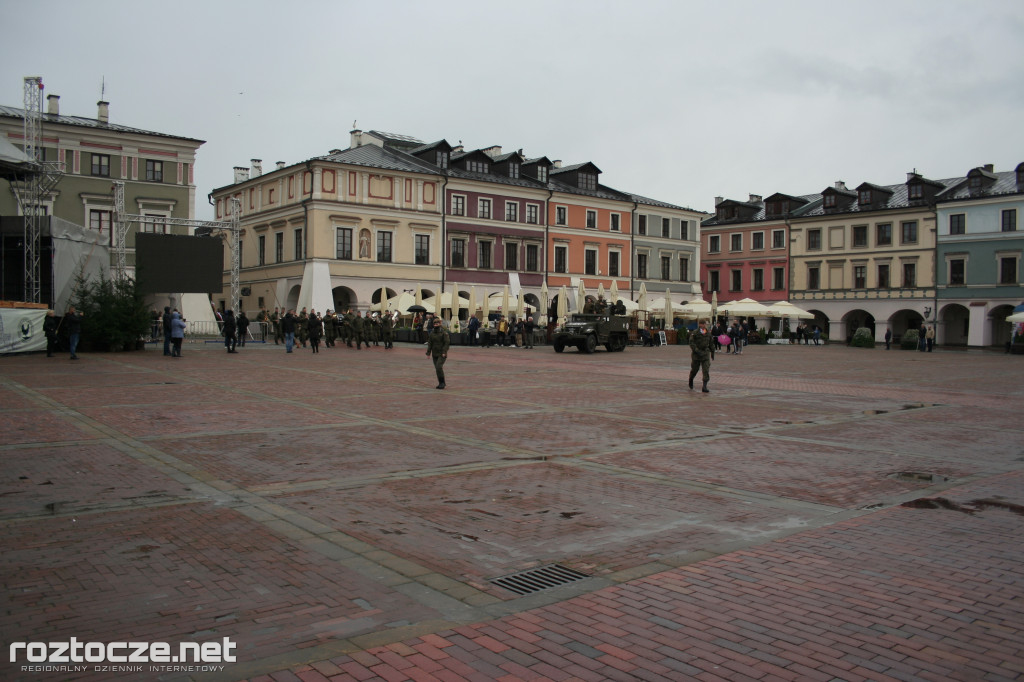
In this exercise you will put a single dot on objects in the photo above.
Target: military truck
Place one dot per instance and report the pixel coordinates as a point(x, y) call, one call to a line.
point(587, 332)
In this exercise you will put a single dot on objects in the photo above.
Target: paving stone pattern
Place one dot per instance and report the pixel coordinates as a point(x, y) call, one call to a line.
point(823, 514)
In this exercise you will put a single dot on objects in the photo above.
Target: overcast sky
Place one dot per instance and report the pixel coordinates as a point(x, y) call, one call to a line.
point(679, 101)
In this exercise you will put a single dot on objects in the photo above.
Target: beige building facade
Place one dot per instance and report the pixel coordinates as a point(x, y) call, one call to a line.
point(866, 258)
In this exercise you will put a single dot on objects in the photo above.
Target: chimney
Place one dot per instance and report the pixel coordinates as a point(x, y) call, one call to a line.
point(840, 184)
point(718, 200)
point(493, 151)
point(103, 115)
point(241, 174)
point(557, 163)
point(257, 168)
point(911, 175)
point(988, 166)
point(280, 165)
point(53, 104)
point(356, 139)
point(755, 198)
point(458, 149)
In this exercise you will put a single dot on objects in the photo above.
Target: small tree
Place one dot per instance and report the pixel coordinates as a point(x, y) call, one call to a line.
point(862, 338)
point(909, 340)
point(114, 313)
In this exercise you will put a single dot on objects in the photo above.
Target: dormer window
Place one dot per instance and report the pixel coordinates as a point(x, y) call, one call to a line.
point(542, 173)
point(478, 167)
point(442, 159)
point(975, 182)
point(587, 181)
point(513, 169)
point(916, 191)
point(864, 197)
point(775, 207)
point(829, 201)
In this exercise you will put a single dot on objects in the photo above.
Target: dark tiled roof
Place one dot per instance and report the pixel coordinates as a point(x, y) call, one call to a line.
point(81, 122)
point(602, 192)
point(575, 166)
point(812, 202)
point(372, 156)
point(1005, 183)
point(646, 201)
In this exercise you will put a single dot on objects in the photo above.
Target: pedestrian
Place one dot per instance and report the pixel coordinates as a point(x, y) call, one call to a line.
point(167, 330)
point(437, 348)
point(50, 331)
point(74, 324)
point(359, 330)
point(473, 326)
point(288, 324)
point(922, 341)
point(229, 330)
point(888, 338)
point(177, 334)
point(817, 335)
point(528, 328)
point(700, 354)
point(243, 327)
point(388, 329)
point(930, 338)
point(315, 329)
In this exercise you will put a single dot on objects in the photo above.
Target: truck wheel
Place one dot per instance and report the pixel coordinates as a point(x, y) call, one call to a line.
point(590, 345)
point(618, 343)
point(559, 346)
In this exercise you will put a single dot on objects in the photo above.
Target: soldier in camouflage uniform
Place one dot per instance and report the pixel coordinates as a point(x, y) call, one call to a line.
point(330, 331)
point(700, 353)
point(388, 328)
point(275, 320)
point(358, 329)
point(346, 328)
point(262, 318)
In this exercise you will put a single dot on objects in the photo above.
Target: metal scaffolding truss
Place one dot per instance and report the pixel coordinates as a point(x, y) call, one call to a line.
point(36, 188)
point(123, 222)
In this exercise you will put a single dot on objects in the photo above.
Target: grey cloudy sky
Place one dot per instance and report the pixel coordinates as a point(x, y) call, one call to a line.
point(679, 101)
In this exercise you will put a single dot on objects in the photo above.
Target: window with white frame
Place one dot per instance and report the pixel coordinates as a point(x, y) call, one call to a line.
point(532, 257)
point(666, 268)
point(714, 243)
point(757, 280)
point(483, 208)
point(641, 265)
point(343, 243)
point(613, 263)
point(684, 269)
point(1008, 269)
point(735, 280)
point(736, 242)
point(616, 225)
point(592, 219)
point(590, 262)
point(561, 259)
point(561, 215)
point(532, 214)
point(778, 278)
point(385, 241)
point(666, 227)
point(956, 270)
point(458, 204)
point(511, 211)
point(511, 255)
point(458, 253)
point(484, 255)
point(154, 171)
point(778, 239)
point(422, 246)
point(757, 241)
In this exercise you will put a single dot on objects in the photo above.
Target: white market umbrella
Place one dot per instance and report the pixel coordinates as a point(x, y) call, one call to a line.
point(695, 309)
point(613, 292)
point(419, 294)
point(472, 301)
point(581, 297)
point(714, 307)
point(642, 302)
point(563, 305)
point(520, 306)
point(600, 290)
point(787, 309)
point(668, 308)
point(504, 301)
point(1014, 319)
point(542, 317)
point(745, 307)
point(485, 309)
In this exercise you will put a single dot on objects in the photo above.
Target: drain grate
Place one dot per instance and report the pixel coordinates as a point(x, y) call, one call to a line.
point(537, 579)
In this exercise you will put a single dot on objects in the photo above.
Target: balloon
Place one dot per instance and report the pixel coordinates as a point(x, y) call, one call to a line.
point(724, 339)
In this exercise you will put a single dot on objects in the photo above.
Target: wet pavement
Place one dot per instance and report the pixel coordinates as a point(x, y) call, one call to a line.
point(823, 514)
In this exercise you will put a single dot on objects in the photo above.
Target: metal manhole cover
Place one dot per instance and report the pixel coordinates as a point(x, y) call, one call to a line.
point(537, 579)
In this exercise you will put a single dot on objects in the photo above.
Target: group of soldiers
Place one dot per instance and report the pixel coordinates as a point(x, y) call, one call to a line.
point(350, 328)
point(601, 307)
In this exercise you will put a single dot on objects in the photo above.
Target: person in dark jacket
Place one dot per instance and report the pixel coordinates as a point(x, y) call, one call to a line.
point(73, 320)
point(315, 329)
point(230, 327)
point(50, 331)
point(288, 325)
point(167, 329)
point(243, 327)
